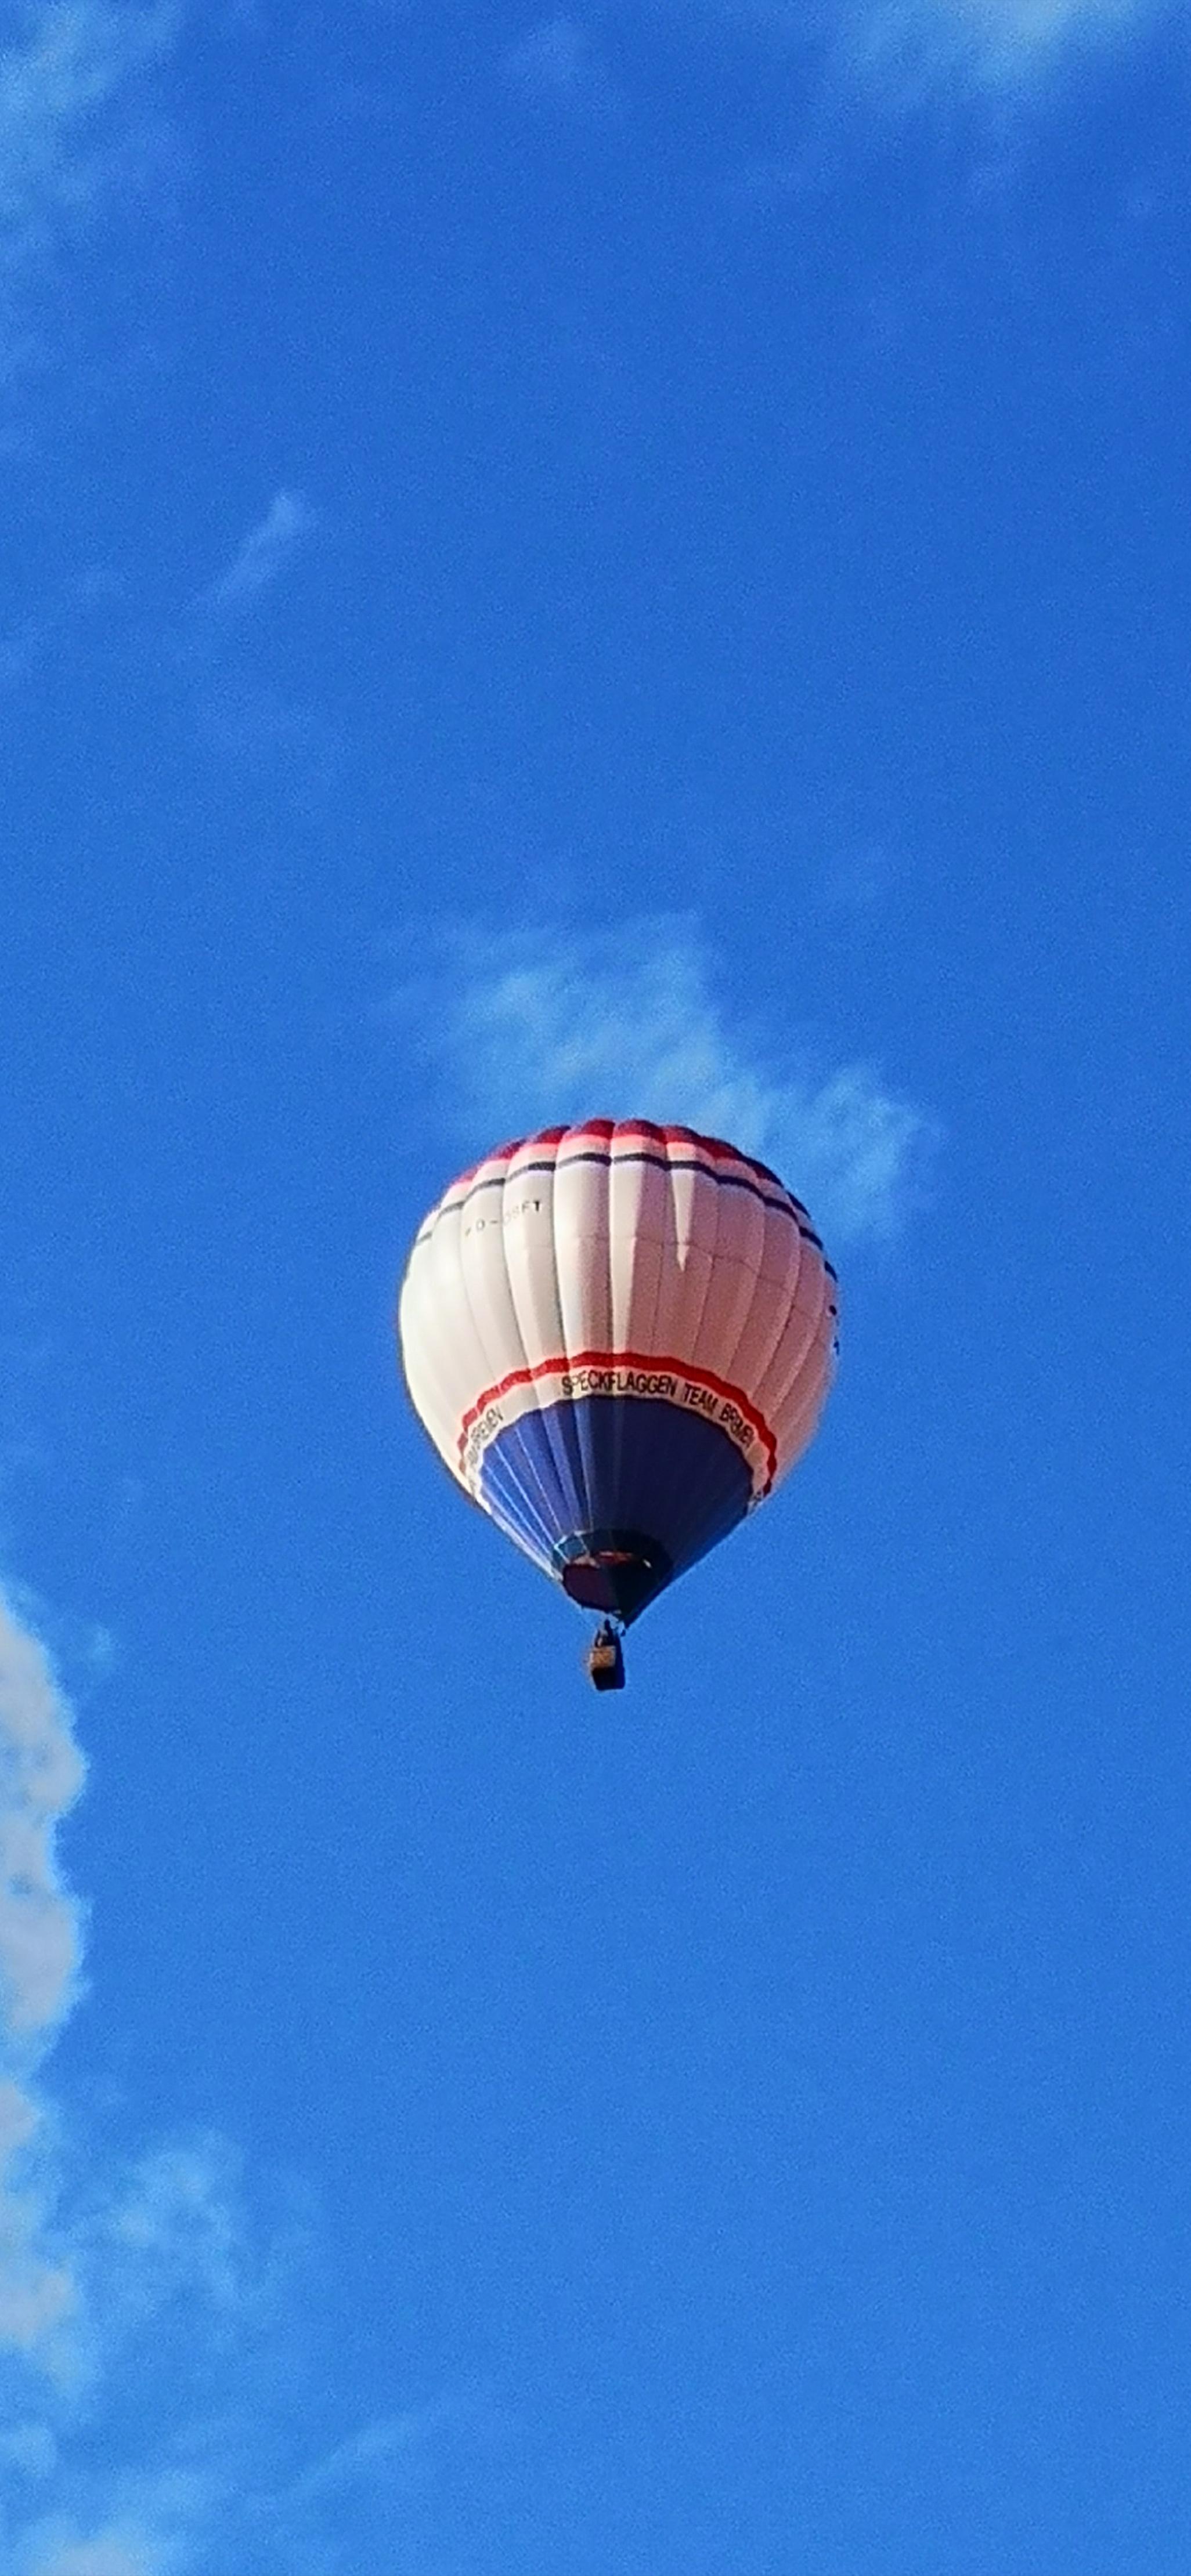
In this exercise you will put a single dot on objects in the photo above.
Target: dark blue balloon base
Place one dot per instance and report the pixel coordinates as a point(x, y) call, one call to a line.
point(616, 1495)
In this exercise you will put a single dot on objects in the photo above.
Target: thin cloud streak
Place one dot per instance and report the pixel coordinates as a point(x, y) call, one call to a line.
point(395, 2443)
point(263, 555)
point(536, 1026)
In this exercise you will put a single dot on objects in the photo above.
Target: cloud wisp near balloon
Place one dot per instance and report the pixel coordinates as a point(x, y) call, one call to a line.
point(620, 1338)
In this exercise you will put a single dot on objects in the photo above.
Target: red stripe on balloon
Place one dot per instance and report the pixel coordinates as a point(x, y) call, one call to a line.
point(648, 1360)
point(605, 1131)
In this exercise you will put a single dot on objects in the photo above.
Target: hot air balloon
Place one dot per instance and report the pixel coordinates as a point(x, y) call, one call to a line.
point(620, 1338)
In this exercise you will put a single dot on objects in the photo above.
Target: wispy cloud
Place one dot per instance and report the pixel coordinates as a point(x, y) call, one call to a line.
point(41, 1774)
point(121, 2550)
point(19, 651)
point(557, 64)
point(538, 1026)
point(170, 2300)
point(263, 554)
point(91, 2264)
point(27, 645)
point(997, 46)
point(149, 2326)
point(74, 116)
point(902, 51)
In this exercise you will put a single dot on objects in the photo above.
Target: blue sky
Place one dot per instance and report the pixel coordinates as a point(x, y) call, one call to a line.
point(631, 561)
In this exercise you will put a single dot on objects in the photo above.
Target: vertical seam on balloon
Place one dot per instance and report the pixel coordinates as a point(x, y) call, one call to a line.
point(584, 1318)
point(536, 1510)
point(709, 1299)
point(618, 1427)
point(797, 1432)
point(646, 1339)
point(504, 1242)
point(811, 1382)
point(746, 1309)
point(692, 1335)
point(564, 1468)
point(583, 1481)
point(790, 1293)
point(480, 1335)
point(431, 1373)
point(783, 1387)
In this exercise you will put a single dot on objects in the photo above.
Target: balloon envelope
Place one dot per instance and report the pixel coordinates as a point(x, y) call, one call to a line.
point(620, 1339)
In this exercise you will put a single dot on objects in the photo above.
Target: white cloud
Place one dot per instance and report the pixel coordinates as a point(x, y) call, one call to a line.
point(166, 2236)
point(264, 553)
point(157, 2324)
point(41, 1774)
point(70, 93)
point(31, 2448)
point(88, 2262)
point(118, 2551)
point(536, 1027)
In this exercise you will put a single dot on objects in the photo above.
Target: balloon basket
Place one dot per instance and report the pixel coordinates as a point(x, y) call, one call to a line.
point(604, 1661)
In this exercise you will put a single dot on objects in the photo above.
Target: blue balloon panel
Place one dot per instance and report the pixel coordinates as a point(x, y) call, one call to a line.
point(616, 1495)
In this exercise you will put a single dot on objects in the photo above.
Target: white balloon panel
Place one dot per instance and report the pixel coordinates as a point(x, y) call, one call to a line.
point(593, 1246)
